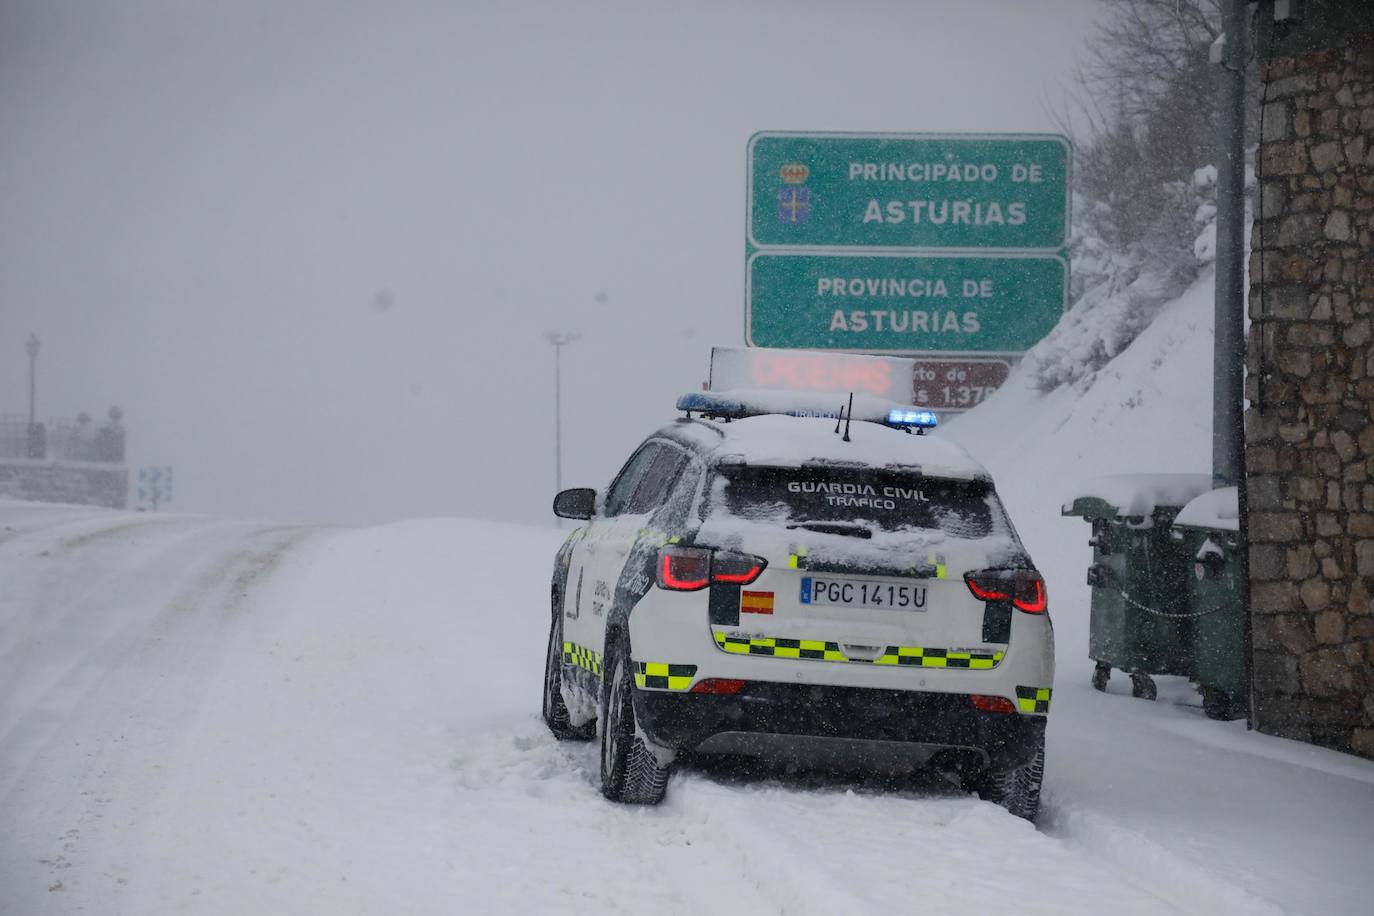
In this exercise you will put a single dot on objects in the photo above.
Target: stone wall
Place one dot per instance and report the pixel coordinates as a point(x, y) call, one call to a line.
point(1310, 382)
point(55, 482)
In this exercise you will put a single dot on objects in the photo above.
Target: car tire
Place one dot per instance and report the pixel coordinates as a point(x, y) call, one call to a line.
point(555, 709)
point(1017, 789)
point(630, 770)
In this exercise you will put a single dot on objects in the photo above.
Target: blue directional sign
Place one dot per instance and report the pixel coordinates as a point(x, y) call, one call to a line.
point(154, 486)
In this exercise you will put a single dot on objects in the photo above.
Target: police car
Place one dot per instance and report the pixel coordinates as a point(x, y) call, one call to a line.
point(761, 579)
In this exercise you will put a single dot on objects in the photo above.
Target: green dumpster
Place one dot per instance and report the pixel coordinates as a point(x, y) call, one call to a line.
point(1140, 618)
point(1208, 531)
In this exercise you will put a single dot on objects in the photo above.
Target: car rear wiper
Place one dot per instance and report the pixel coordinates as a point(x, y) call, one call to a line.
point(848, 529)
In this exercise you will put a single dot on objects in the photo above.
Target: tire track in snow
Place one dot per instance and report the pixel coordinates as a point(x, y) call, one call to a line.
point(767, 845)
point(1136, 858)
point(118, 706)
point(57, 619)
point(593, 855)
point(819, 850)
point(21, 519)
point(87, 611)
point(87, 529)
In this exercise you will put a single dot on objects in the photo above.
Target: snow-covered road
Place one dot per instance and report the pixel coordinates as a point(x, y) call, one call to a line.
point(225, 717)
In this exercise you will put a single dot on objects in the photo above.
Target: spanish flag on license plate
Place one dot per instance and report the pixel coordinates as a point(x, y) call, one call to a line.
point(755, 602)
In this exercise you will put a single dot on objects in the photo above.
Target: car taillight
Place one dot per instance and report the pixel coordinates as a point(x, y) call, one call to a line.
point(1030, 596)
point(991, 704)
point(688, 569)
point(684, 569)
point(1024, 587)
point(986, 588)
point(722, 686)
point(735, 568)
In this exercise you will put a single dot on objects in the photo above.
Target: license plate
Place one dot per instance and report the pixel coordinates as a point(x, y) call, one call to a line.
point(895, 596)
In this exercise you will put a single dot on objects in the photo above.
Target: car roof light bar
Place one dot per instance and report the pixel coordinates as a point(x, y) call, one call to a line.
point(919, 420)
point(709, 404)
point(737, 404)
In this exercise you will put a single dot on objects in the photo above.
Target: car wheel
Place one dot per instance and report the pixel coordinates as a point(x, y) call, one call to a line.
point(630, 771)
point(1101, 675)
point(1017, 789)
point(555, 710)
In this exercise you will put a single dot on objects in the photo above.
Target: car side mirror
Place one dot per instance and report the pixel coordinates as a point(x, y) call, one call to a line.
point(579, 502)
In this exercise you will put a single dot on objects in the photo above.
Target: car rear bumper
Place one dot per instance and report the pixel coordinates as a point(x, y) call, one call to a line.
point(842, 727)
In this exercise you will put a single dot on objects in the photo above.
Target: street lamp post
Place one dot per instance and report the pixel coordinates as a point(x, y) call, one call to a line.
point(31, 346)
point(559, 339)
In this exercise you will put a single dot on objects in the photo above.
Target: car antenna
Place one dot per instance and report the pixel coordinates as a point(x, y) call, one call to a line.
point(849, 415)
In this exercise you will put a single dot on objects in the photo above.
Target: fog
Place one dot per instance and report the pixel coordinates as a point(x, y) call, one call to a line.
point(312, 249)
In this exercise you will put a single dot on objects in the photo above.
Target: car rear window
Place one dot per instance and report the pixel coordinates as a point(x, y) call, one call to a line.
point(879, 500)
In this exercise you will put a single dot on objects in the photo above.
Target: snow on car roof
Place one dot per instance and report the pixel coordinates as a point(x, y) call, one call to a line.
point(781, 441)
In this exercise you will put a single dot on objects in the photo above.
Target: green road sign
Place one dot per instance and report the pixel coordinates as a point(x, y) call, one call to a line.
point(887, 191)
point(900, 303)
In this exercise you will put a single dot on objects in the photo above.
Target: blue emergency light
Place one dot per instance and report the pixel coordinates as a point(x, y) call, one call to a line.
point(912, 419)
point(710, 404)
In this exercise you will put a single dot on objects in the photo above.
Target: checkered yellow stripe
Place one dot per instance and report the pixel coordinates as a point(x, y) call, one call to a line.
point(582, 657)
point(939, 658)
point(662, 676)
point(1033, 699)
point(781, 648)
point(908, 656)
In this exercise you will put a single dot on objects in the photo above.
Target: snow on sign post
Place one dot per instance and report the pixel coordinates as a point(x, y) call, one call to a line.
point(906, 243)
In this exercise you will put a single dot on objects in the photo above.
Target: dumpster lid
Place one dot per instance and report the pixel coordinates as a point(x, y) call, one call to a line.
point(1135, 494)
point(1214, 509)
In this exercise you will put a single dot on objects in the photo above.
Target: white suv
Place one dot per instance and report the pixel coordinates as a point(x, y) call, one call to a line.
point(836, 594)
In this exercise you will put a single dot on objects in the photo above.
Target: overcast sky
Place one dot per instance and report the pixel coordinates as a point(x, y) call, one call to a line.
point(312, 248)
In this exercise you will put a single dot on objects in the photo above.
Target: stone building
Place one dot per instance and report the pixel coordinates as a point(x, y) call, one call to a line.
point(1309, 448)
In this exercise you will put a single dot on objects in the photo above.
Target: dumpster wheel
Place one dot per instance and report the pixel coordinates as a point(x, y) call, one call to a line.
point(1143, 686)
point(1101, 675)
point(1218, 704)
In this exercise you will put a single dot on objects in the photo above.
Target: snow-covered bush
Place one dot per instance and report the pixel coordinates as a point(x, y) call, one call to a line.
point(1144, 212)
point(1118, 289)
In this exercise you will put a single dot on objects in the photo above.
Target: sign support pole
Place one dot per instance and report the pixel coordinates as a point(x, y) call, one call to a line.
point(1228, 354)
point(559, 339)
